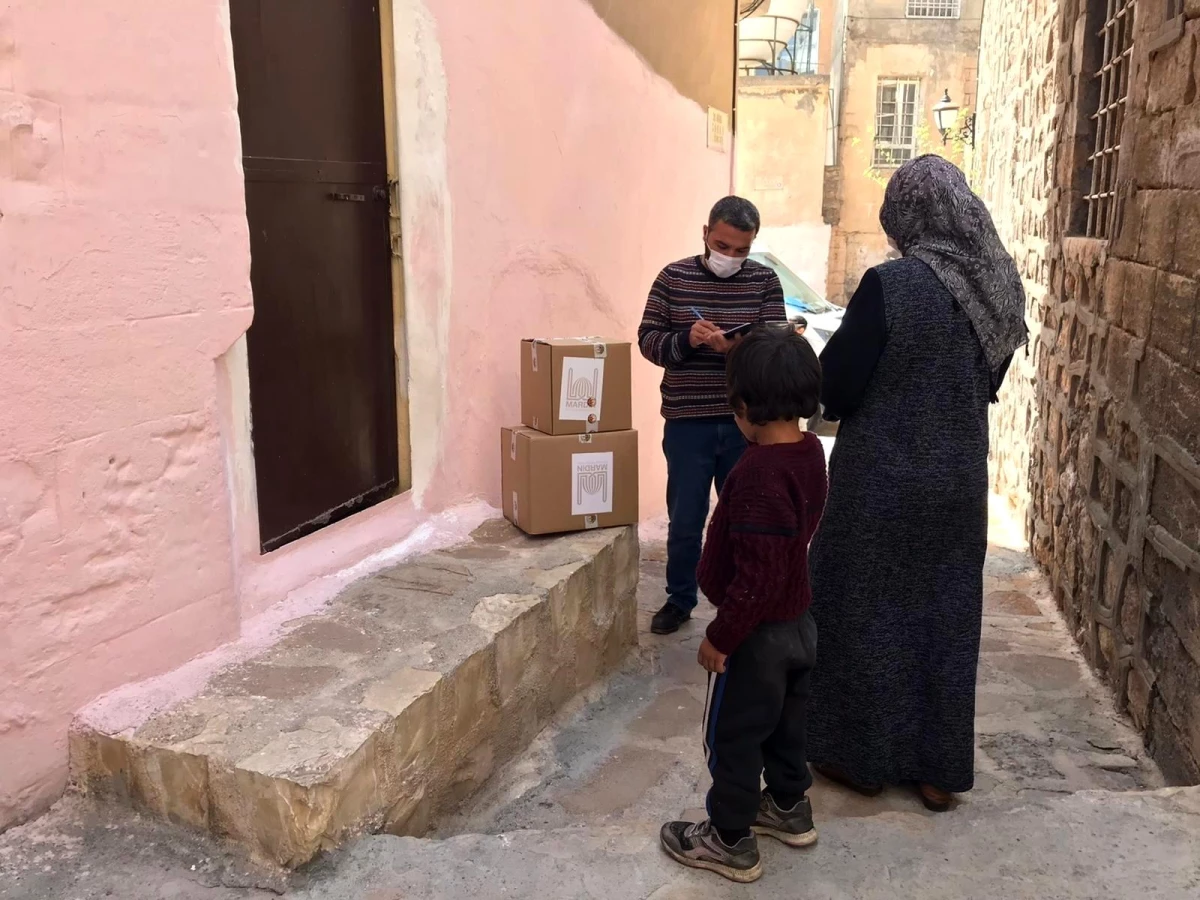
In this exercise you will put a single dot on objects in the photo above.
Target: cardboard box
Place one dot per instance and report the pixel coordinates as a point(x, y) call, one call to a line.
point(576, 386)
point(556, 483)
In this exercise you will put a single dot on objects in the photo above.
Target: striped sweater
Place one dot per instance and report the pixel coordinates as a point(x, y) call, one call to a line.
point(693, 385)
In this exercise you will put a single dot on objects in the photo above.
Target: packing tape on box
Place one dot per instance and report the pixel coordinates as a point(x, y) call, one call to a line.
point(590, 522)
point(516, 512)
point(599, 348)
point(533, 347)
point(585, 439)
point(512, 446)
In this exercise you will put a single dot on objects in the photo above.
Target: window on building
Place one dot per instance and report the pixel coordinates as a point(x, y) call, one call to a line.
point(934, 9)
point(1114, 43)
point(800, 57)
point(895, 123)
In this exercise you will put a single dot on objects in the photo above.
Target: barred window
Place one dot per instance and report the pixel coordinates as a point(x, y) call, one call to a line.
point(895, 123)
point(1115, 39)
point(934, 9)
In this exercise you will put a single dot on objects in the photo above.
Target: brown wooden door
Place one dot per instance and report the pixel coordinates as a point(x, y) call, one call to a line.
point(321, 353)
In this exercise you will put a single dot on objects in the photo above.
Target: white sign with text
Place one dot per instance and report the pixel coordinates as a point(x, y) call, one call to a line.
point(591, 484)
point(582, 389)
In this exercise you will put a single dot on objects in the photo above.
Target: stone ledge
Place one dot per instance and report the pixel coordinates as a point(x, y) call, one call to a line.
point(391, 707)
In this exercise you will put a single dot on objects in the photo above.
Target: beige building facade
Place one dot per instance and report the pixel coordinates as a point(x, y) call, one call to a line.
point(783, 121)
point(784, 127)
point(893, 61)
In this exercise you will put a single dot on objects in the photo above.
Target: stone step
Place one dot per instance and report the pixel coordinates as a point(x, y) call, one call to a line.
point(389, 708)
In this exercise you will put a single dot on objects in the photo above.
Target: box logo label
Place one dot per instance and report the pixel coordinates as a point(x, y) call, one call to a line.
point(591, 484)
point(582, 390)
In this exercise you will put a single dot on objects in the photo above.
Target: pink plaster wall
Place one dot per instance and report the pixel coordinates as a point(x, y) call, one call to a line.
point(576, 174)
point(124, 276)
point(562, 176)
point(569, 174)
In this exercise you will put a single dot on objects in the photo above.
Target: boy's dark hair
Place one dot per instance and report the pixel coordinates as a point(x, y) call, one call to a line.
point(773, 376)
point(737, 213)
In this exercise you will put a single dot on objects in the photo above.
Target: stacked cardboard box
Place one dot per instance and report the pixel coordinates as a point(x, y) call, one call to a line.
point(574, 463)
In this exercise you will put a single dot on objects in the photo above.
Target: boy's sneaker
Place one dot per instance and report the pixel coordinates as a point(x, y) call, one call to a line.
point(792, 826)
point(700, 847)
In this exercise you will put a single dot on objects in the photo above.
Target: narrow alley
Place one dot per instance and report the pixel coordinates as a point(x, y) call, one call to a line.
point(331, 570)
point(1067, 804)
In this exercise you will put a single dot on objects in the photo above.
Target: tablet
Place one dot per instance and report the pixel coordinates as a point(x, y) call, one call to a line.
point(738, 331)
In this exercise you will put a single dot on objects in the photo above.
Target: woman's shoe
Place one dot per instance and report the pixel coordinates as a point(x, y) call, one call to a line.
point(839, 777)
point(935, 799)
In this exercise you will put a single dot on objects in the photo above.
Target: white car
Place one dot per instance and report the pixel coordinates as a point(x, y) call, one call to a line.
point(824, 318)
point(801, 300)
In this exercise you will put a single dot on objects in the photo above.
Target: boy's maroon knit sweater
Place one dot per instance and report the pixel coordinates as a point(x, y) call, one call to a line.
point(755, 563)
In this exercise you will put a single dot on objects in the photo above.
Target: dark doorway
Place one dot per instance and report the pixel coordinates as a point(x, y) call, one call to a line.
point(321, 352)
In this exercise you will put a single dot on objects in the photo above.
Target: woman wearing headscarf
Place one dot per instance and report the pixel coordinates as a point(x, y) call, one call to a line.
point(897, 565)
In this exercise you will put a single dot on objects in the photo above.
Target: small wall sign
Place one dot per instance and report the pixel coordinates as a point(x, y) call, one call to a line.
point(718, 128)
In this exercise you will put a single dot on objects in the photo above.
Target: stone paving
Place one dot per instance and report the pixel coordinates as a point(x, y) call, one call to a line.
point(1067, 804)
point(1044, 726)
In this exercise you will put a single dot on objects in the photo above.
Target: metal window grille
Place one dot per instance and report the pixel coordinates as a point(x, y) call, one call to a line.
point(895, 123)
point(1116, 39)
point(934, 9)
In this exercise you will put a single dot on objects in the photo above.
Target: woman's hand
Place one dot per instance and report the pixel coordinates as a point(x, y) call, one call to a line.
point(712, 659)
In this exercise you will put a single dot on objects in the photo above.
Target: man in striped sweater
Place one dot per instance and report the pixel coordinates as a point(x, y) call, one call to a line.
point(692, 304)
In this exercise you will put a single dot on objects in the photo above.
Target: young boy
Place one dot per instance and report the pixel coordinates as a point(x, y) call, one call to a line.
point(761, 647)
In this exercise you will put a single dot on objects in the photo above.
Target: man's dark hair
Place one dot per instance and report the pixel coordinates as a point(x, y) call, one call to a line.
point(737, 213)
point(773, 376)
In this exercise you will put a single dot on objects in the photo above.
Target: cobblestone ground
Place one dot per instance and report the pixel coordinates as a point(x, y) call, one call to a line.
point(1044, 724)
point(576, 815)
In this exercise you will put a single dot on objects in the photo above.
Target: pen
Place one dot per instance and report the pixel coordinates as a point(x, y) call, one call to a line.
point(696, 313)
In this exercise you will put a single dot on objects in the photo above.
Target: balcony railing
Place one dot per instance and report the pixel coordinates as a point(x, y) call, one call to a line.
point(778, 43)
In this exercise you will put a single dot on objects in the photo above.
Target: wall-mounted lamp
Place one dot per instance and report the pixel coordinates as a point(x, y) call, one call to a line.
point(945, 117)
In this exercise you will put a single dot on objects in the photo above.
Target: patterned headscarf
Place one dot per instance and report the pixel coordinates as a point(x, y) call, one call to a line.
point(931, 213)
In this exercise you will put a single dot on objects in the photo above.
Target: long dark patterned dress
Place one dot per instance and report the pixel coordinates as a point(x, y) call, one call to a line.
point(897, 565)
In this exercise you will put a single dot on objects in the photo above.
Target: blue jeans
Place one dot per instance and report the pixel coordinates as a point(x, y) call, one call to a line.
point(698, 453)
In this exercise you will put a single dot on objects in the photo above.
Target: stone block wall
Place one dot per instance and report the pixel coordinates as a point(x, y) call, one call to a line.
point(1106, 407)
point(1012, 169)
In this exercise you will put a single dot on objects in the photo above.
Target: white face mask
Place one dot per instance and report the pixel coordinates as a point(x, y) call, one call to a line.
point(721, 265)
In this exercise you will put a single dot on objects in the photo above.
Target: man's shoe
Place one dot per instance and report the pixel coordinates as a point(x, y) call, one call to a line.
point(792, 826)
point(669, 619)
point(699, 846)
